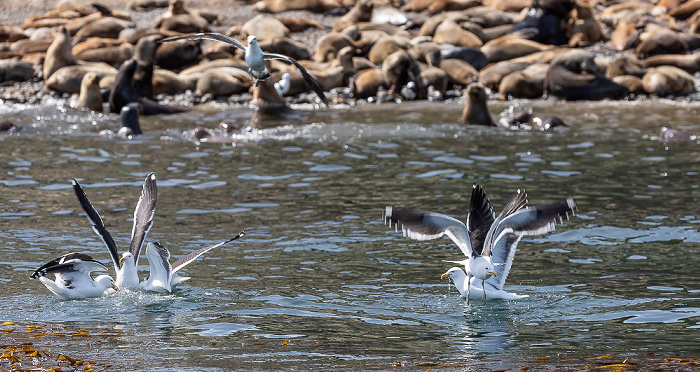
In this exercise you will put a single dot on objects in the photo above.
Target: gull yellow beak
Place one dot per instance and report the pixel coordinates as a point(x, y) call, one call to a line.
point(121, 260)
point(444, 276)
point(493, 273)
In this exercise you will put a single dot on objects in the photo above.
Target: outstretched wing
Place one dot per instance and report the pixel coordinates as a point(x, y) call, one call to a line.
point(71, 263)
point(159, 263)
point(429, 225)
point(479, 219)
point(186, 259)
point(97, 225)
point(208, 36)
point(309, 79)
point(143, 215)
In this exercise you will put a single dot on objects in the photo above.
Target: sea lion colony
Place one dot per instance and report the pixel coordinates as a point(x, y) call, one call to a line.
point(397, 50)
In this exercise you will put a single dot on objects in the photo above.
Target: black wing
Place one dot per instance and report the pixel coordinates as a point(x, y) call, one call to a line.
point(143, 215)
point(97, 225)
point(479, 219)
point(67, 263)
point(186, 259)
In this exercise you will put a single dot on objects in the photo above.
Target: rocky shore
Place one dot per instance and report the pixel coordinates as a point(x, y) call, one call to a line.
point(363, 50)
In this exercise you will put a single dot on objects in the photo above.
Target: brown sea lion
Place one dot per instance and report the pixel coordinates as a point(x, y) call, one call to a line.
point(439, 6)
point(223, 81)
point(491, 76)
point(433, 77)
point(178, 54)
point(114, 56)
point(583, 29)
point(59, 54)
point(328, 45)
point(95, 43)
point(288, 47)
point(669, 134)
point(360, 12)
point(367, 83)
point(67, 79)
point(144, 5)
point(662, 42)
point(265, 28)
point(428, 53)
point(625, 65)
point(167, 82)
point(10, 34)
point(665, 81)
point(574, 76)
point(389, 29)
point(633, 84)
point(460, 72)
point(277, 6)
point(685, 10)
point(387, 46)
point(625, 36)
point(526, 120)
point(688, 62)
point(429, 26)
point(295, 24)
point(185, 24)
point(475, 110)
point(449, 32)
point(28, 46)
point(508, 5)
point(267, 101)
point(399, 68)
point(527, 83)
point(510, 47)
point(90, 95)
point(108, 27)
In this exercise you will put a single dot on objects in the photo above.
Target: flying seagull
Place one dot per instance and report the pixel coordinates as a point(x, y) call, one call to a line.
point(255, 58)
point(163, 275)
point(73, 277)
point(488, 243)
point(143, 220)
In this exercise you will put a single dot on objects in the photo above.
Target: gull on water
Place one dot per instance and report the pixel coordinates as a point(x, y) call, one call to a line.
point(255, 58)
point(126, 266)
point(73, 277)
point(163, 275)
point(488, 243)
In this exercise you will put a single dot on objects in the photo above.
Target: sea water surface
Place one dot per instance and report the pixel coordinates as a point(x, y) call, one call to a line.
point(319, 281)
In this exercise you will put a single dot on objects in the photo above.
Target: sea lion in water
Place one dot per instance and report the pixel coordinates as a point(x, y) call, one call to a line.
point(59, 54)
point(90, 95)
point(475, 110)
point(129, 116)
point(574, 76)
point(669, 134)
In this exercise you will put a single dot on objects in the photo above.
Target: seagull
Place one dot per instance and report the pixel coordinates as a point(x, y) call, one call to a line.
point(73, 277)
point(255, 58)
point(125, 266)
point(163, 276)
point(488, 243)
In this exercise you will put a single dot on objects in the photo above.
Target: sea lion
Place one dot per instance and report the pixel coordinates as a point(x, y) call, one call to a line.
point(129, 117)
point(10, 34)
point(168, 82)
point(15, 71)
point(439, 6)
point(360, 12)
point(473, 56)
point(508, 5)
point(328, 45)
point(625, 65)
point(625, 36)
point(526, 120)
point(433, 77)
point(90, 95)
point(67, 79)
point(669, 134)
point(492, 75)
point(59, 54)
point(7, 126)
point(449, 32)
point(460, 72)
point(114, 56)
point(223, 81)
point(386, 46)
point(178, 54)
point(665, 81)
point(367, 83)
point(145, 5)
point(108, 27)
point(663, 41)
point(510, 47)
point(277, 6)
point(288, 47)
point(185, 24)
point(633, 84)
point(399, 68)
point(544, 21)
point(527, 83)
point(688, 62)
point(428, 53)
point(685, 10)
point(95, 43)
point(574, 76)
point(475, 110)
point(295, 24)
point(267, 101)
point(583, 29)
point(265, 28)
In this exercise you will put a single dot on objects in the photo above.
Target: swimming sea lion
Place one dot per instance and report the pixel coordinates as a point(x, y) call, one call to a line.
point(129, 117)
point(90, 95)
point(669, 134)
point(475, 110)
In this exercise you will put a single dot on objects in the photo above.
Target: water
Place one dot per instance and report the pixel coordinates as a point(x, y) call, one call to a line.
point(319, 282)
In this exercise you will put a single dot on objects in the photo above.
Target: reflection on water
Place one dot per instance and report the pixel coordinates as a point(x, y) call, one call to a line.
point(318, 281)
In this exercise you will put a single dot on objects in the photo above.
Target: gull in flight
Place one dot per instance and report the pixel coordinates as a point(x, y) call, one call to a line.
point(488, 243)
point(255, 58)
point(125, 266)
point(163, 276)
point(73, 277)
